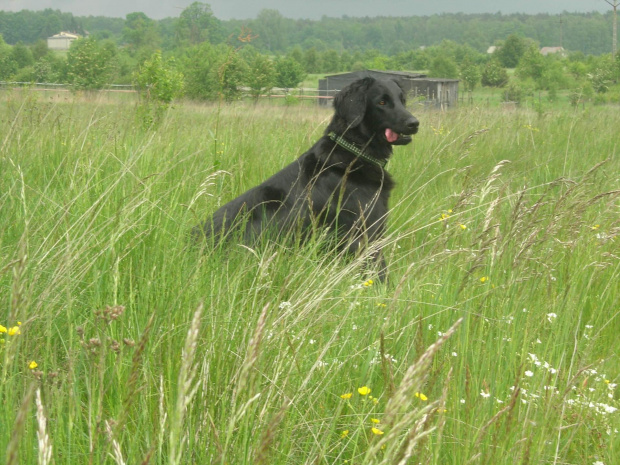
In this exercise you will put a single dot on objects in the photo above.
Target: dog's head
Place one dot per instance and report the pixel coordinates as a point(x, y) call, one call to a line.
point(376, 107)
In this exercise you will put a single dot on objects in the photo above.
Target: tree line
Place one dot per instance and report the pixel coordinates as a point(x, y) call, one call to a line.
point(201, 57)
point(589, 33)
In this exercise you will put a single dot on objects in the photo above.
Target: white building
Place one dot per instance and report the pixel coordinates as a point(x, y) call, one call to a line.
point(61, 41)
point(552, 51)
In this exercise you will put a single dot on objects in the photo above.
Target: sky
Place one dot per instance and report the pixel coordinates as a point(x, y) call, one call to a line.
point(312, 9)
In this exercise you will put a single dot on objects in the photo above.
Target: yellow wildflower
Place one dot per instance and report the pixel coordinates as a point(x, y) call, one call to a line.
point(13, 331)
point(2, 329)
point(32, 365)
point(364, 390)
point(484, 279)
point(368, 283)
point(421, 396)
point(347, 395)
point(376, 431)
point(344, 434)
point(463, 227)
point(375, 420)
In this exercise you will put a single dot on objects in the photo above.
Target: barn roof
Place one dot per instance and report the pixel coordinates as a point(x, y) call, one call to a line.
point(376, 73)
point(64, 35)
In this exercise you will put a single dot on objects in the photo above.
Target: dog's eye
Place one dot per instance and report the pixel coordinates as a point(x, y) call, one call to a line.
point(382, 102)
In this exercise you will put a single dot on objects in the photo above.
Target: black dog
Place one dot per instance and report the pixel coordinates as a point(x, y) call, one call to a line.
point(340, 183)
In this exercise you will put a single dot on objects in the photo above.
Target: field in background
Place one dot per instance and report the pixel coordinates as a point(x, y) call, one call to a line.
point(494, 341)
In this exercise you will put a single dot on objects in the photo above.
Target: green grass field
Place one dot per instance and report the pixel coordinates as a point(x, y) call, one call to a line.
point(495, 340)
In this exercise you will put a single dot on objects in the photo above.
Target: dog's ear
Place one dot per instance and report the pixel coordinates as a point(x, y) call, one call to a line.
point(350, 102)
point(399, 83)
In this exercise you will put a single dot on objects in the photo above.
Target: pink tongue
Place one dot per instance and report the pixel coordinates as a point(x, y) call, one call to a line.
point(390, 135)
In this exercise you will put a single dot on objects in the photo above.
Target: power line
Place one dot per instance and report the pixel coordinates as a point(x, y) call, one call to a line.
point(614, 46)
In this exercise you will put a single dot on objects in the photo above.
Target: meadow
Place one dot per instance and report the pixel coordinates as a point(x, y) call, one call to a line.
point(494, 341)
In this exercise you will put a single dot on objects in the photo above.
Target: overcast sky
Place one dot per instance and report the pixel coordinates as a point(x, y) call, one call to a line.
point(314, 9)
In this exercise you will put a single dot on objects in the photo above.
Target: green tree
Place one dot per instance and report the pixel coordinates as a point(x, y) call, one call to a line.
point(531, 65)
point(200, 66)
point(50, 68)
point(39, 50)
point(141, 32)
point(345, 61)
point(297, 54)
point(261, 75)
point(470, 74)
point(555, 76)
point(511, 51)
point(289, 73)
point(159, 80)
point(7, 65)
point(231, 75)
point(311, 61)
point(89, 64)
point(21, 56)
point(601, 74)
point(197, 24)
point(444, 67)
point(159, 83)
point(270, 26)
point(494, 74)
point(330, 61)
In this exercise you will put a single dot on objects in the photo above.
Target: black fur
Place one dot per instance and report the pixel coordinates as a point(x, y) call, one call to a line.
point(328, 185)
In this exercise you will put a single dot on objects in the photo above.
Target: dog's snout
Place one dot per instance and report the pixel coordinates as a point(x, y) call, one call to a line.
point(412, 124)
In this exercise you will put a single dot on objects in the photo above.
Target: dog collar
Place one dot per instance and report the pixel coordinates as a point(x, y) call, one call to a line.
point(355, 150)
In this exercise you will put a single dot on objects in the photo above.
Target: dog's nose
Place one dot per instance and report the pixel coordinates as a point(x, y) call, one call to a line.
point(412, 124)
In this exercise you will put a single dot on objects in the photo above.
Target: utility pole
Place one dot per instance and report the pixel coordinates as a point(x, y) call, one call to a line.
point(614, 46)
point(561, 31)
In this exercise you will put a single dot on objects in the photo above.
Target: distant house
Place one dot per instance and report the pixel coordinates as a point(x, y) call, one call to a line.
point(552, 50)
point(492, 49)
point(61, 41)
point(439, 92)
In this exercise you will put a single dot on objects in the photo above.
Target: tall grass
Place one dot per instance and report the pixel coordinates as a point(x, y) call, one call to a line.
point(494, 341)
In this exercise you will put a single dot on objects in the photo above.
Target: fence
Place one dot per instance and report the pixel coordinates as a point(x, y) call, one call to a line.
point(300, 93)
point(46, 86)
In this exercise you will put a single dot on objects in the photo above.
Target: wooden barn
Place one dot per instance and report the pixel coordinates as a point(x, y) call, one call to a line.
point(438, 92)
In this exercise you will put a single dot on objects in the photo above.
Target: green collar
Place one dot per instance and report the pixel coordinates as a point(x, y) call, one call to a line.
point(355, 150)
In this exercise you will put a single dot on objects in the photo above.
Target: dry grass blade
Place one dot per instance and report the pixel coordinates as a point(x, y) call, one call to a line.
point(401, 419)
point(117, 454)
point(45, 443)
point(269, 433)
point(132, 384)
point(252, 353)
point(12, 449)
point(187, 373)
point(484, 429)
point(415, 376)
